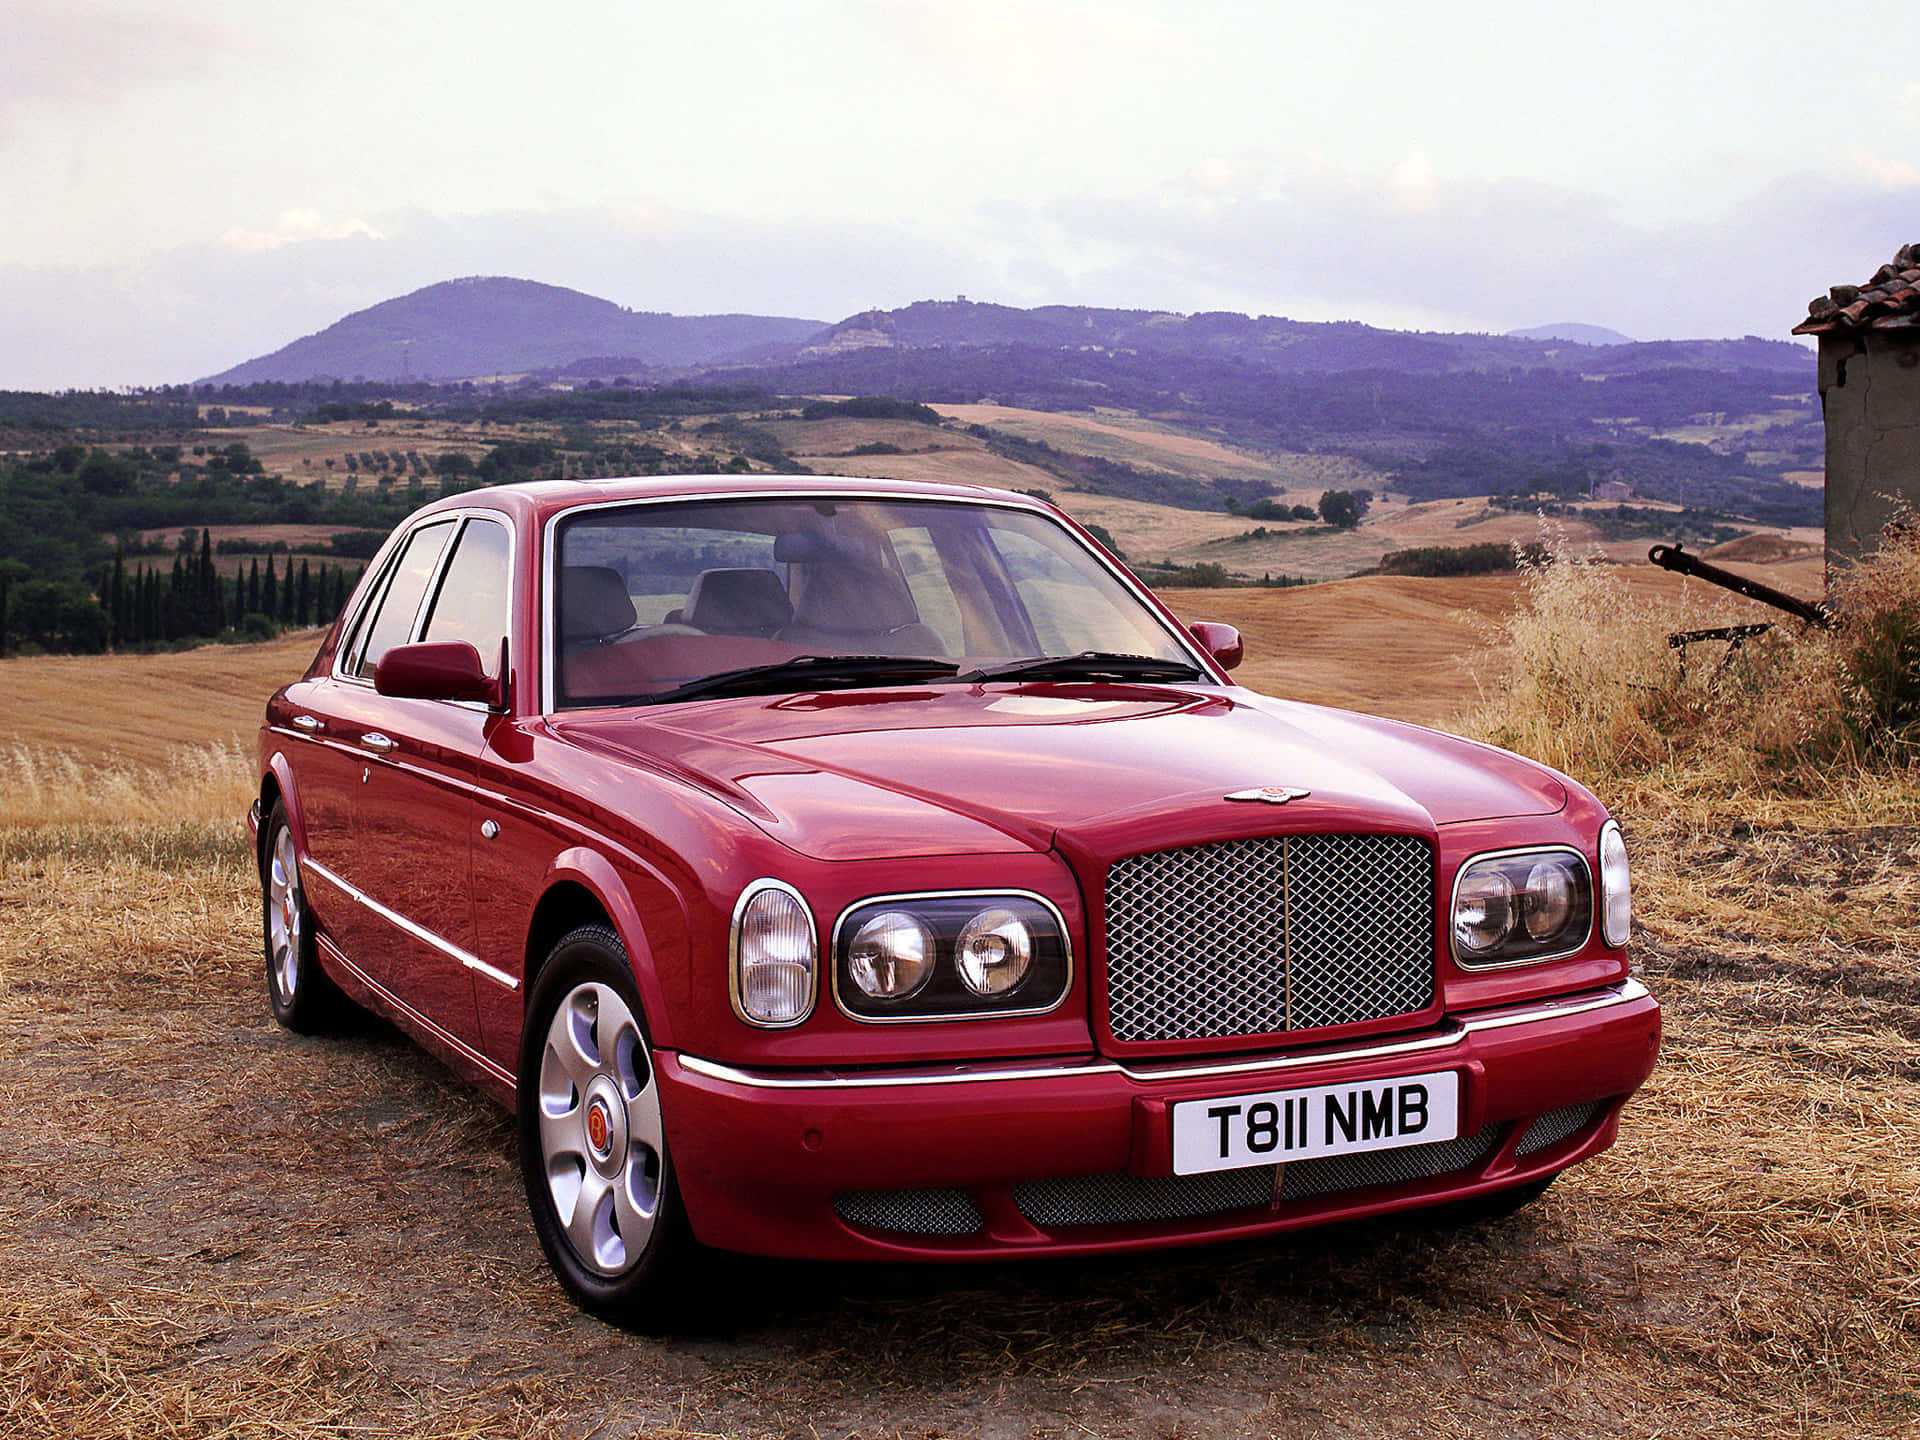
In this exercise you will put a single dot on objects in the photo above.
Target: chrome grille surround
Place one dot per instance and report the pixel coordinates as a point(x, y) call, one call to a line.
point(1257, 937)
point(1128, 1199)
point(911, 1212)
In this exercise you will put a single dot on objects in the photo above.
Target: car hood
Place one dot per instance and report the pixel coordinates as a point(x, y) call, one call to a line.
point(954, 770)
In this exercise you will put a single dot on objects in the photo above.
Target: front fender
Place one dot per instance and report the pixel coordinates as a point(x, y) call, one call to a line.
point(593, 872)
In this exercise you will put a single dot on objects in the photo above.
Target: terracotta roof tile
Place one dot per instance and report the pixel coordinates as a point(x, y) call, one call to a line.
point(1890, 300)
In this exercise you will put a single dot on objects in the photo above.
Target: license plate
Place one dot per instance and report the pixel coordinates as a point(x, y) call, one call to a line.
point(1275, 1126)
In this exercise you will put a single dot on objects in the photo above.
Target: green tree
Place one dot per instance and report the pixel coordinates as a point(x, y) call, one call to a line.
point(1341, 509)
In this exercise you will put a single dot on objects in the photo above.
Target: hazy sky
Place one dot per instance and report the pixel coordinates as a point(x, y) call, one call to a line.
point(188, 184)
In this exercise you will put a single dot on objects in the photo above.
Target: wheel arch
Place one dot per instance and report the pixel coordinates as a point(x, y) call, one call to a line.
point(276, 787)
point(582, 887)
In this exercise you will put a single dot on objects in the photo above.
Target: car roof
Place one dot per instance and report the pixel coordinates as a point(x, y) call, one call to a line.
point(539, 500)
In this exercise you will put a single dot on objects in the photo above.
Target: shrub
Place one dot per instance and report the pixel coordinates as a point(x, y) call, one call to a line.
point(1589, 684)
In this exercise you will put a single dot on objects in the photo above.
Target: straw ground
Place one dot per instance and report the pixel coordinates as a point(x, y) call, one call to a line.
point(209, 1227)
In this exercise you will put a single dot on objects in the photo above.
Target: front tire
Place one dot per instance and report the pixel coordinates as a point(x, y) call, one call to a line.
point(304, 999)
point(593, 1146)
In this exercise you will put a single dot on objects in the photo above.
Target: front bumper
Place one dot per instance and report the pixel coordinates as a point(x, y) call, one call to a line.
point(983, 1161)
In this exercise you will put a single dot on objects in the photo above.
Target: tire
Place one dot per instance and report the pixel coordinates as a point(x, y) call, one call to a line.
point(304, 999)
point(593, 1147)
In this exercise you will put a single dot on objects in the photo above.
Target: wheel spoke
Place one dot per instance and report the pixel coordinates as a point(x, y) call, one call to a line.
point(572, 1054)
point(636, 1200)
point(584, 1223)
point(563, 1132)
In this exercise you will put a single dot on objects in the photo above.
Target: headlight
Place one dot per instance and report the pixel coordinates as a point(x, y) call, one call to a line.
point(950, 957)
point(1522, 906)
point(1616, 897)
point(775, 958)
point(891, 955)
point(994, 952)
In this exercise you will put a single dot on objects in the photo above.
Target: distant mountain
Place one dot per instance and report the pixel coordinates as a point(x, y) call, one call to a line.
point(1268, 342)
point(484, 327)
point(491, 325)
point(1569, 332)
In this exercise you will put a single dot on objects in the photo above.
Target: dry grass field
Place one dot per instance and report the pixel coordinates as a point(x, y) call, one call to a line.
point(210, 1227)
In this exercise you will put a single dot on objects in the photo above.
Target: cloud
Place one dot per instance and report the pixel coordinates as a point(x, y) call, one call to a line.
point(1404, 248)
point(65, 54)
point(293, 228)
point(1032, 58)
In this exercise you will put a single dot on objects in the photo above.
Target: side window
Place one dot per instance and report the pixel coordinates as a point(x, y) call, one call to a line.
point(474, 600)
point(391, 622)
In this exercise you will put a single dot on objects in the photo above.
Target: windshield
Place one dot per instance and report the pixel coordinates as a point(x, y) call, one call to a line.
point(653, 599)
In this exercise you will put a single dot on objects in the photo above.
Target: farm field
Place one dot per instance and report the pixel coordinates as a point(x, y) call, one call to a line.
point(211, 1227)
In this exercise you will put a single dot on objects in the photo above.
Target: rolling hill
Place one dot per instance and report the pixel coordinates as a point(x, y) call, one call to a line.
point(491, 325)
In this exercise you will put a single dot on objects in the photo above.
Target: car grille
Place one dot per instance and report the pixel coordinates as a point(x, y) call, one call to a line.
point(1254, 937)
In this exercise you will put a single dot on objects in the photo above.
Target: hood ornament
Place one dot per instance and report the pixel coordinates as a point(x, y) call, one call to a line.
point(1272, 794)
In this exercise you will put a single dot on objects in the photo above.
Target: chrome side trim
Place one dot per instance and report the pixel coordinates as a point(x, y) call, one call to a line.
point(417, 931)
point(389, 998)
point(1628, 992)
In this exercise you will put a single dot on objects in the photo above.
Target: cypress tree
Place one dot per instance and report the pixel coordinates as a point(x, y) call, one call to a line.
point(304, 598)
point(286, 595)
point(253, 587)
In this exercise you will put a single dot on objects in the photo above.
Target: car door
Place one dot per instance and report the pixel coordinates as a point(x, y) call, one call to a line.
point(410, 842)
point(346, 727)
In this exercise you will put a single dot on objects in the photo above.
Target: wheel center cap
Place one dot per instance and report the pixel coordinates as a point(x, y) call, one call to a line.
point(604, 1119)
point(599, 1128)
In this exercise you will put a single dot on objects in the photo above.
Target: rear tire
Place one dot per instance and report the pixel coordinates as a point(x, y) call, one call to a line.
point(304, 998)
point(593, 1146)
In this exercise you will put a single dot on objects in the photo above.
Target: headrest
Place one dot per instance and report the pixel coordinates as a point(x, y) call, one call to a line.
point(737, 602)
point(593, 603)
point(838, 598)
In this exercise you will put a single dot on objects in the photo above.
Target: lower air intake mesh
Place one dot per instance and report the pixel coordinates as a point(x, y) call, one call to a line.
point(1304, 1178)
point(1126, 1199)
point(1556, 1125)
point(911, 1212)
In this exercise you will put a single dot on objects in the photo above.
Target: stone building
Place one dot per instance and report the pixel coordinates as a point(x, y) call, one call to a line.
point(1870, 394)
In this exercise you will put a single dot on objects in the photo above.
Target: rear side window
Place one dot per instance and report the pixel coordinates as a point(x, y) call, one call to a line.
point(473, 599)
point(390, 622)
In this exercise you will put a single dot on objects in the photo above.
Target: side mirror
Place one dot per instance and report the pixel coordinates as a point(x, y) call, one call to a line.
point(1222, 642)
point(435, 670)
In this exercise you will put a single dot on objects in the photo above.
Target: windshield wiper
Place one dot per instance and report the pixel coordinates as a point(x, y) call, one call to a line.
point(811, 672)
point(1087, 665)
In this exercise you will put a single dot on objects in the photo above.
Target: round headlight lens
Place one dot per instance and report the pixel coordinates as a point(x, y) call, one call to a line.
point(994, 952)
point(1483, 912)
point(1549, 899)
point(774, 958)
point(891, 955)
point(1616, 897)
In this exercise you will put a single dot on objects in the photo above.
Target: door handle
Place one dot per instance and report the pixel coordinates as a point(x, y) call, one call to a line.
point(378, 743)
point(307, 723)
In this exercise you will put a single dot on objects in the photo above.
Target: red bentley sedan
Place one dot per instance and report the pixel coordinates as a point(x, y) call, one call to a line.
point(861, 869)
